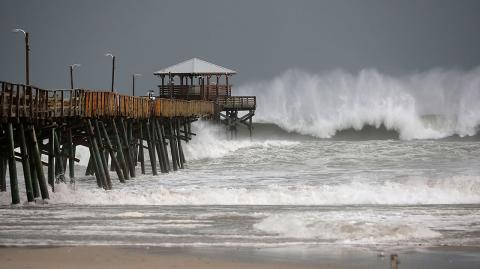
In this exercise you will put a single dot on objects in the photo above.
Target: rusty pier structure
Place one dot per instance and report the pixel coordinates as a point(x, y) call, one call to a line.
point(41, 128)
point(116, 128)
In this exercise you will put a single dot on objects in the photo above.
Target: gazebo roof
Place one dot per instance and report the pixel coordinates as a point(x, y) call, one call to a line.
point(195, 66)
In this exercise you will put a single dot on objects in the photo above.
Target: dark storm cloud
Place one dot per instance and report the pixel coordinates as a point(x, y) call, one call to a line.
point(260, 39)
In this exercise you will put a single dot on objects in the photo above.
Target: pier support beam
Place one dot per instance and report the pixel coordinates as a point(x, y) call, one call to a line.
point(141, 156)
point(90, 169)
point(120, 156)
point(59, 168)
point(100, 172)
point(3, 174)
point(33, 172)
point(25, 163)
point(161, 150)
point(126, 148)
point(179, 141)
point(71, 154)
point(51, 159)
point(38, 165)
point(151, 147)
point(12, 169)
point(173, 146)
point(110, 149)
point(164, 144)
point(103, 156)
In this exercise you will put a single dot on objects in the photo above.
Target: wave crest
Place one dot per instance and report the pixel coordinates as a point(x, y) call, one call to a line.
point(453, 190)
point(430, 105)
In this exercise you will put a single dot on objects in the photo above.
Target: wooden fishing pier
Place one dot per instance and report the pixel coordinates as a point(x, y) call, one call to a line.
point(118, 129)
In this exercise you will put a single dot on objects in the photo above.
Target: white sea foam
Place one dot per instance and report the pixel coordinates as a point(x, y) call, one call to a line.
point(344, 227)
point(454, 190)
point(211, 142)
point(130, 214)
point(433, 104)
point(82, 153)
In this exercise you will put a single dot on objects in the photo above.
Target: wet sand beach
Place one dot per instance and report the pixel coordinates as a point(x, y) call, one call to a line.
point(256, 258)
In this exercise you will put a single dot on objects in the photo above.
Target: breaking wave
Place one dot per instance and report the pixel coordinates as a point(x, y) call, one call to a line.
point(211, 142)
point(454, 190)
point(429, 105)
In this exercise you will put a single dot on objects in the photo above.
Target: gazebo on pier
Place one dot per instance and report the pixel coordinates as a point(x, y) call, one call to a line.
point(196, 79)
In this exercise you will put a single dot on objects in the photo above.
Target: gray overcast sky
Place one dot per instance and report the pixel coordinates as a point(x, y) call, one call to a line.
point(260, 39)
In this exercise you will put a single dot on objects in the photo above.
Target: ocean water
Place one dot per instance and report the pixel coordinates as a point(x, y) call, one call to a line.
point(400, 168)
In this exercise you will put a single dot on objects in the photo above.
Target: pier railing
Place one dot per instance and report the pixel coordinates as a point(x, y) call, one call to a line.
point(237, 102)
point(21, 101)
point(207, 92)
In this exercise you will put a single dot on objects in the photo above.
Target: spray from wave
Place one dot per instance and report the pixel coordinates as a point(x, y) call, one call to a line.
point(430, 105)
point(211, 142)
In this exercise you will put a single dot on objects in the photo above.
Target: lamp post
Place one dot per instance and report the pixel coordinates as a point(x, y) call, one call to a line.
point(27, 49)
point(113, 67)
point(133, 82)
point(71, 74)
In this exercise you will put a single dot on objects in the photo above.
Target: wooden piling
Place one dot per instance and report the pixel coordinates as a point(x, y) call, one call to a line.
point(59, 171)
point(173, 147)
point(3, 174)
point(179, 141)
point(131, 142)
point(136, 141)
point(164, 144)
point(96, 153)
point(110, 149)
point(120, 156)
point(189, 130)
point(33, 172)
point(51, 159)
point(12, 169)
point(186, 133)
point(25, 163)
point(141, 156)
point(65, 154)
point(151, 147)
point(90, 169)
point(38, 165)
point(126, 148)
point(59, 168)
point(71, 154)
point(101, 149)
point(158, 145)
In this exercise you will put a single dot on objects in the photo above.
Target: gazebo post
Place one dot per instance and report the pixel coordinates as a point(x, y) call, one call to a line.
point(216, 87)
point(200, 83)
point(208, 88)
point(163, 85)
point(170, 81)
point(226, 83)
point(181, 83)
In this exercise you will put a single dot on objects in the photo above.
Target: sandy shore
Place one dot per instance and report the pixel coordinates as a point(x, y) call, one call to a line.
point(120, 258)
point(236, 258)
